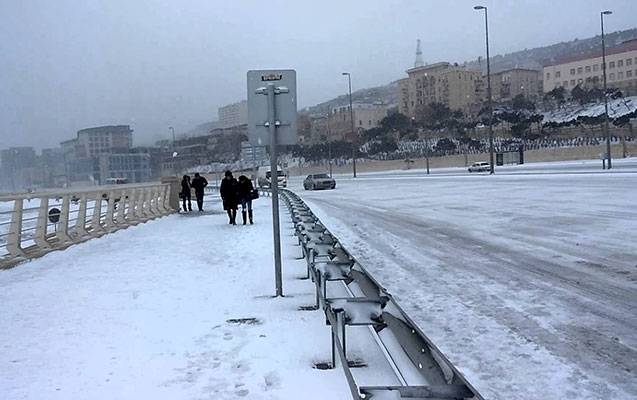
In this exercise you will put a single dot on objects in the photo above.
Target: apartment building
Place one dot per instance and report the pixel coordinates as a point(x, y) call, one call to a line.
point(92, 142)
point(233, 115)
point(458, 87)
point(366, 116)
point(505, 85)
point(621, 71)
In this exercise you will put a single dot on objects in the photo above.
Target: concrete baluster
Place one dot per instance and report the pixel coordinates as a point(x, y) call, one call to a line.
point(139, 205)
point(42, 223)
point(156, 198)
point(14, 238)
point(96, 226)
point(62, 233)
point(109, 223)
point(121, 208)
point(80, 223)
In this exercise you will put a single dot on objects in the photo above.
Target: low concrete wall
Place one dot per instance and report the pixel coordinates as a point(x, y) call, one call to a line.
point(464, 160)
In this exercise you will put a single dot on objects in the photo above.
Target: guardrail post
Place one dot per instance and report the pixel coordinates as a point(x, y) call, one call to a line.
point(40, 230)
point(62, 233)
point(14, 238)
point(80, 223)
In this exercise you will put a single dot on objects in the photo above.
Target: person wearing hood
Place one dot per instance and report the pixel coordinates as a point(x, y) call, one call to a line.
point(229, 195)
point(186, 194)
point(245, 197)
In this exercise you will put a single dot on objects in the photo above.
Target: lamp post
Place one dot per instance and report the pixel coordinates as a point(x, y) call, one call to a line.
point(608, 157)
point(351, 116)
point(489, 101)
point(329, 142)
point(172, 148)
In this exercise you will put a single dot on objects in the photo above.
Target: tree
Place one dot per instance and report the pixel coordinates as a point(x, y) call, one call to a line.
point(445, 144)
point(520, 102)
point(395, 122)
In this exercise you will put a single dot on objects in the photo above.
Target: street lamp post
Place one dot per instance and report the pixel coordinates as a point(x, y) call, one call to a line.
point(329, 142)
point(172, 149)
point(351, 116)
point(608, 157)
point(489, 100)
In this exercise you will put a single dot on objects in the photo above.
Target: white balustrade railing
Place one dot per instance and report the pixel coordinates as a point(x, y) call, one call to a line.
point(34, 224)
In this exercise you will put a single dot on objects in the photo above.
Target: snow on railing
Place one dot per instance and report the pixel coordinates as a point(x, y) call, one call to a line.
point(34, 224)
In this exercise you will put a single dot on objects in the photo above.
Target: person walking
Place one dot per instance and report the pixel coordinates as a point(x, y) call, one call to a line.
point(199, 183)
point(229, 195)
point(245, 197)
point(185, 193)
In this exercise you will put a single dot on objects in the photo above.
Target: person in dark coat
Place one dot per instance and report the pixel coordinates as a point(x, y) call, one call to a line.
point(185, 193)
point(229, 195)
point(199, 183)
point(245, 197)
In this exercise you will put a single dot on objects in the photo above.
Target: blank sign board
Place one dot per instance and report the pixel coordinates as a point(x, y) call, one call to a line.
point(284, 81)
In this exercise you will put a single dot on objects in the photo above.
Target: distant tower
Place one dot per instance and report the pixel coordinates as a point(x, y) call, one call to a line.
point(419, 62)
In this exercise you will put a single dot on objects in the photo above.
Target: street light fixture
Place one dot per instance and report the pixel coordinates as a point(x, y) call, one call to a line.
point(351, 115)
point(489, 101)
point(608, 157)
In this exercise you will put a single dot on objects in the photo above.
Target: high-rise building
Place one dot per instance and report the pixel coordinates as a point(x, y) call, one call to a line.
point(92, 142)
point(233, 115)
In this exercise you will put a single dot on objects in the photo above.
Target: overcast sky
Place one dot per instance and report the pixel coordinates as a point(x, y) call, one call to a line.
point(67, 65)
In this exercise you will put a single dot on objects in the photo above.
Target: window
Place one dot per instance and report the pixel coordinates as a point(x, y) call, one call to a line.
point(565, 83)
point(612, 76)
point(558, 74)
point(587, 69)
point(595, 67)
point(580, 80)
point(620, 63)
point(611, 64)
point(629, 62)
point(548, 75)
point(629, 74)
point(580, 70)
point(620, 75)
point(572, 71)
point(572, 82)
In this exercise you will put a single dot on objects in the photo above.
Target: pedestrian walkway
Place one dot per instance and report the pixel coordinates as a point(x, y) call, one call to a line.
point(176, 308)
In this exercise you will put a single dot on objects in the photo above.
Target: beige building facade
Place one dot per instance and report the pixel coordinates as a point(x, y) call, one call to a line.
point(458, 87)
point(366, 116)
point(506, 85)
point(621, 71)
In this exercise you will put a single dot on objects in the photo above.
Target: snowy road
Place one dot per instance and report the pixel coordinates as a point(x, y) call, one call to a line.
point(527, 282)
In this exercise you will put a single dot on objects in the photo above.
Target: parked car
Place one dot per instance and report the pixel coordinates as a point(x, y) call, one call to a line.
point(480, 166)
point(318, 181)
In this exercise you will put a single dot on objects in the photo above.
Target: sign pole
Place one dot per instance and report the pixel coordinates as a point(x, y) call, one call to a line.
point(274, 187)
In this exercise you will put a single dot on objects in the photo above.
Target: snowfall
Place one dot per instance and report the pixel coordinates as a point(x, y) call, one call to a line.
point(527, 281)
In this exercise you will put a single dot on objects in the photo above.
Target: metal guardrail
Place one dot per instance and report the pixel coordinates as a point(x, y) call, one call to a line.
point(34, 224)
point(369, 304)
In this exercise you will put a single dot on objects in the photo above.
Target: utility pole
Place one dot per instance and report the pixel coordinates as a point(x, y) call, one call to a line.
point(489, 100)
point(608, 157)
point(351, 116)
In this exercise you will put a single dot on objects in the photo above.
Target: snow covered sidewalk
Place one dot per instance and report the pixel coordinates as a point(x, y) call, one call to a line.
point(177, 308)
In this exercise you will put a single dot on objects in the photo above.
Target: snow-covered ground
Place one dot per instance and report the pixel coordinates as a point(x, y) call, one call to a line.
point(527, 282)
point(147, 313)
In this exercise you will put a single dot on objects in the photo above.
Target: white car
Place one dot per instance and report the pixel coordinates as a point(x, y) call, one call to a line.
point(480, 166)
